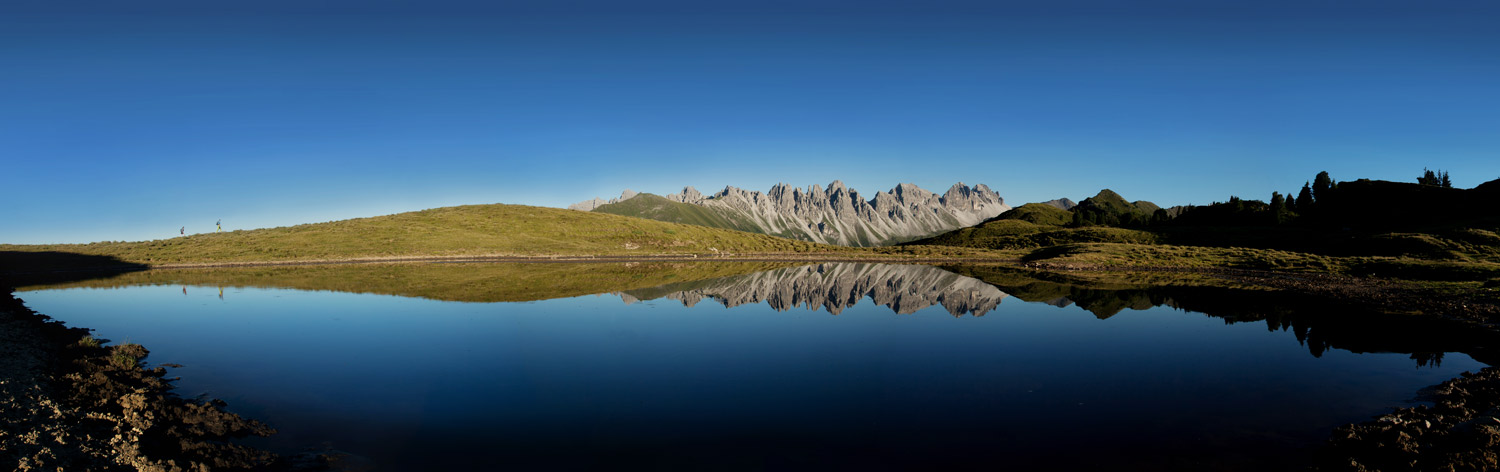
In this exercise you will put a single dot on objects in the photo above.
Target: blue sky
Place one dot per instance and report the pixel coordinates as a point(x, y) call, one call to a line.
point(128, 120)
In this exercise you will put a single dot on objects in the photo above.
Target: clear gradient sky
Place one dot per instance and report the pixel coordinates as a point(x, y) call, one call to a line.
point(127, 120)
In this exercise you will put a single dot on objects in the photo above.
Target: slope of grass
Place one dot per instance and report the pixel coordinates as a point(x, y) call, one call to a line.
point(472, 230)
point(1038, 213)
point(657, 208)
point(1020, 234)
point(1108, 201)
point(1148, 255)
point(1145, 207)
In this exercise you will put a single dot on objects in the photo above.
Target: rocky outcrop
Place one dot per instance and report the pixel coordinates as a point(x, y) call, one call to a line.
point(1061, 203)
point(1459, 432)
point(904, 289)
point(840, 215)
point(67, 402)
point(590, 205)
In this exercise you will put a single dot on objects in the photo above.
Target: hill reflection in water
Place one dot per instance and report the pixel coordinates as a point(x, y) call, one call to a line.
point(1318, 324)
point(435, 375)
point(975, 290)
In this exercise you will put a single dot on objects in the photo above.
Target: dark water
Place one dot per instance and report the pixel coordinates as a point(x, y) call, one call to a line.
point(920, 369)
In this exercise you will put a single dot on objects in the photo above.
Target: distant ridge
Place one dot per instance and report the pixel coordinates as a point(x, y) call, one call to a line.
point(590, 205)
point(833, 214)
point(1061, 204)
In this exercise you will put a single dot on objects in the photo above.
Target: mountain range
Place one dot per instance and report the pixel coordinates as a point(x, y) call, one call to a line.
point(833, 214)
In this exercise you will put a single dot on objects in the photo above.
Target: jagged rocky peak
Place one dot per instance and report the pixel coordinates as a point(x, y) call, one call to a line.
point(961, 197)
point(836, 214)
point(688, 195)
point(911, 194)
point(590, 205)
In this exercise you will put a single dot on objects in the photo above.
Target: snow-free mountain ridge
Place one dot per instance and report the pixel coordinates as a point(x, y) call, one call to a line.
point(834, 214)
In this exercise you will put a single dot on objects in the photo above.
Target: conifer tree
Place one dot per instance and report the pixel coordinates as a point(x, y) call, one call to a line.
point(1428, 178)
point(1159, 216)
point(1305, 197)
point(1278, 208)
point(1321, 185)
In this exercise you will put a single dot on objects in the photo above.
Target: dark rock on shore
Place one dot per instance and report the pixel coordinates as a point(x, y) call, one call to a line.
point(1459, 433)
point(69, 403)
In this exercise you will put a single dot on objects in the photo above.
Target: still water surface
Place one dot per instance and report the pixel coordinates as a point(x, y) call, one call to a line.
point(920, 368)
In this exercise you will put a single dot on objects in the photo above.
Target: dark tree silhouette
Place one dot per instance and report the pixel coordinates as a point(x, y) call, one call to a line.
point(1428, 178)
point(1435, 178)
point(1279, 212)
point(1160, 216)
point(1305, 197)
point(1321, 185)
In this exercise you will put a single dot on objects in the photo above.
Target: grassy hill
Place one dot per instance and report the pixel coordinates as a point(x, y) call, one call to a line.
point(654, 207)
point(1007, 234)
point(1363, 227)
point(1110, 208)
point(471, 230)
point(1038, 213)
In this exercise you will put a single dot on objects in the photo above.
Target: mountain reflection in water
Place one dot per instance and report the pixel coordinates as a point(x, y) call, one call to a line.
point(904, 289)
point(1318, 324)
point(430, 367)
point(961, 289)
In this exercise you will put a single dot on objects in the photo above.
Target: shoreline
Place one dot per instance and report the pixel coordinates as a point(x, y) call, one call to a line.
point(1460, 432)
point(68, 402)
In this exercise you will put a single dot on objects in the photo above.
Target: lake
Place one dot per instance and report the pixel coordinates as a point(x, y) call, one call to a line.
point(767, 366)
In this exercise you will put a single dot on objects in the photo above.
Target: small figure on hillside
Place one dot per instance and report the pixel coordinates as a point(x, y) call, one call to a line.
point(182, 231)
point(217, 226)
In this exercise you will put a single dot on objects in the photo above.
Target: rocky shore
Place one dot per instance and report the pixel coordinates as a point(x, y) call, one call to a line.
point(1459, 433)
point(68, 402)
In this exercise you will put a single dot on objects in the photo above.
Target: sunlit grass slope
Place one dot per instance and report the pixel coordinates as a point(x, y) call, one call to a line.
point(472, 230)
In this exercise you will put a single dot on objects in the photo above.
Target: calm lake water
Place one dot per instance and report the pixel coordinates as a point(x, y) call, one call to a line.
point(826, 366)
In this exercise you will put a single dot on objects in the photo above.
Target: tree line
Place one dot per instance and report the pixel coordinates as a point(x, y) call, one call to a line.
point(1317, 202)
